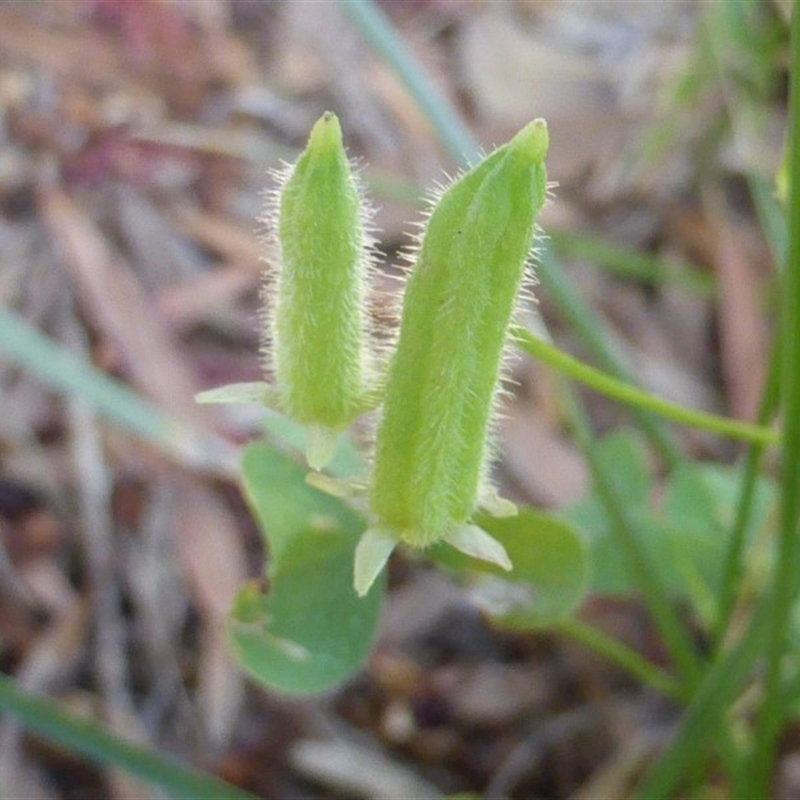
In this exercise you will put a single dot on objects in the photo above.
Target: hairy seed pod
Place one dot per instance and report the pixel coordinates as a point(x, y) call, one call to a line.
point(431, 444)
point(318, 318)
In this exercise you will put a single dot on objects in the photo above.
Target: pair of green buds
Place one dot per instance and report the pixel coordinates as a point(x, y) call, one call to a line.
point(438, 392)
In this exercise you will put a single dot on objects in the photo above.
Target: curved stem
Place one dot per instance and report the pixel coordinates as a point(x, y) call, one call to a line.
point(622, 655)
point(626, 393)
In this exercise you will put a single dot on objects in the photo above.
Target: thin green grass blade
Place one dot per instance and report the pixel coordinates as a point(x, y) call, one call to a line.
point(733, 568)
point(699, 727)
point(66, 373)
point(620, 654)
point(676, 637)
point(627, 262)
point(787, 564)
point(378, 31)
point(45, 717)
point(771, 216)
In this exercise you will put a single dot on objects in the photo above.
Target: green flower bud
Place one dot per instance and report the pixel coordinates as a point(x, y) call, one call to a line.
point(316, 338)
point(319, 320)
point(431, 447)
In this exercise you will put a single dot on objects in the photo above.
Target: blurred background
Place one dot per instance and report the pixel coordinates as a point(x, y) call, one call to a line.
point(136, 143)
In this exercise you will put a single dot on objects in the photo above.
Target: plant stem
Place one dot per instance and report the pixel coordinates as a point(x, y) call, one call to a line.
point(45, 717)
point(622, 655)
point(590, 329)
point(676, 638)
point(785, 582)
point(626, 393)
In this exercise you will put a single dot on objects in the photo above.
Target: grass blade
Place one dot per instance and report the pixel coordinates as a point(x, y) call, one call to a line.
point(66, 373)
point(627, 262)
point(376, 28)
point(702, 719)
point(46, 718)
point(785, 581)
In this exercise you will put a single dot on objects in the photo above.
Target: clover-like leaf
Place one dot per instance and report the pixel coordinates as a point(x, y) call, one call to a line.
point(549, 577)
point(310, 631)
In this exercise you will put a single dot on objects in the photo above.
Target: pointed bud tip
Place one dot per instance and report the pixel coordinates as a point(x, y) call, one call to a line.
point(372, 553)
point(321, 443)
point(533, 140)
point(326, 132)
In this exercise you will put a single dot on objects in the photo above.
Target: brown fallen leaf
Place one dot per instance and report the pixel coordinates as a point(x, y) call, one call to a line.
point(743, 328)
point(547, 467)
point(230, 240)
point(186, 304)
point(211, 550)
point(119, 308)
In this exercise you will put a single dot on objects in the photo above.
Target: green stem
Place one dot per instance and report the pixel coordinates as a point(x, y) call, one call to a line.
point(676, 638)
point(733, 568)
point(45, 717)
point(626, 393)
point(785, 582)
point(590, 328)
point(623, 656)
point(379, 32)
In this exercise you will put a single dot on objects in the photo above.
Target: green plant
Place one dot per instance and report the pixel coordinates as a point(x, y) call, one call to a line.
point(428, 477)
point(690, 550)
point(431, 448)
point(723, 545)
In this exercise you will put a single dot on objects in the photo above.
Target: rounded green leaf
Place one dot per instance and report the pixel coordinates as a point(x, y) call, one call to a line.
point(310, 631)
point(550, 571)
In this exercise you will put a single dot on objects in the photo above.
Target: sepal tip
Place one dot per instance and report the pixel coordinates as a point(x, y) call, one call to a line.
point(475, 542)
point(320, 446)
point(372, 553)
